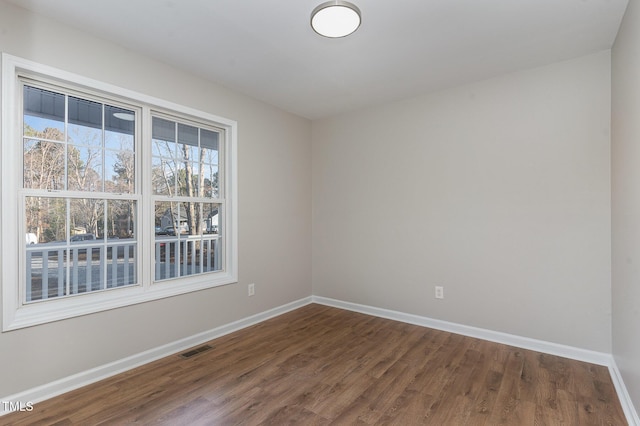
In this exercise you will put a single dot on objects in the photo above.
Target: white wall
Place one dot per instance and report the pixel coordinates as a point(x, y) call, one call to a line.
point(625, 161)
point(274, 212)
point(499, 191)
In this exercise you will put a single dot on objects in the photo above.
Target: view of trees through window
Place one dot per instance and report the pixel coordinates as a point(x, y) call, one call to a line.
point(185, 181)
point(81, 196)
point(79, 184)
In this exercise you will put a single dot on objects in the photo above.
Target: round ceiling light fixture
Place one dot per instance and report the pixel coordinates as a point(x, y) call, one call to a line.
point(335, 19)
point(126, 116)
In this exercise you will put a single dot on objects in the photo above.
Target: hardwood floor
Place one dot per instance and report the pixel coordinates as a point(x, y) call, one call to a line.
point(320, 365)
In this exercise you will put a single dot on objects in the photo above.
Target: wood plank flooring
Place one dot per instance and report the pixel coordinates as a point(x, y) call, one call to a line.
point(319, 365)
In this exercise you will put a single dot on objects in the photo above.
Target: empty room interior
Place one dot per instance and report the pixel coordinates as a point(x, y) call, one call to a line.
point(231, 218)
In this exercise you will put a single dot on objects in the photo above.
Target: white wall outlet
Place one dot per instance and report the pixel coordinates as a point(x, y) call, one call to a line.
point(251, 290)
point(439, 292)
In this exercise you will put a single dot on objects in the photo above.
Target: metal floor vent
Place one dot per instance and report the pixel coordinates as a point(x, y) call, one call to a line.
point(195, 351)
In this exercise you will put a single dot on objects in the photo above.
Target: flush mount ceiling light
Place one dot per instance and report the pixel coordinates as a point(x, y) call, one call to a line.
point(335, 19)
point(124, 116)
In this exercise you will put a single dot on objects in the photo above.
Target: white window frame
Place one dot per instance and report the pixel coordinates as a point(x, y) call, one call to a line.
point(15, 313)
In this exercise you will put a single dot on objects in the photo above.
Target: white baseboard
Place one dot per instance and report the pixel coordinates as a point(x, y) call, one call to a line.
point(623, 395)
point(84, 378)
point(93, 375)
point(593, 357)
point(579, 354)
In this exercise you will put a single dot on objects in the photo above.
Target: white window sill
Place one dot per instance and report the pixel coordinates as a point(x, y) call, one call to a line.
point(68, 307)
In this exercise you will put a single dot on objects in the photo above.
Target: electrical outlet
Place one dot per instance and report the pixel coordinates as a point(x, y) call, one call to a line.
point(439, 292)
point(252, 289)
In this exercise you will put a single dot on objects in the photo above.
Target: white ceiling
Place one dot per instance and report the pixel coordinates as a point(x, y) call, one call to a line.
point(266, 48)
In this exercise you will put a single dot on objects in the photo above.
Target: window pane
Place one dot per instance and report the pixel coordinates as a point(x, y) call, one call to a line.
point(121, 243)
point(46, 254)
point(189, 153)
point(210, 181)
point(209, 140)
point(121, 219)
point(185, 179)
point(163, 130)
point(43, 113)
point(46, 219)
point(87, 266)
point(167, 229)
point(166, 218)
point(209, 167)
point(211, 217)
point(191, 218)
point(119, 171)
point(211, 240)
point(119, 155)
point(119, 122)
point(121, 263)
point(87, 219)
point(85, 114)
point(163, 175)
point(84, 168)
point(43, 164)
point(46, 272)
point(187, 135)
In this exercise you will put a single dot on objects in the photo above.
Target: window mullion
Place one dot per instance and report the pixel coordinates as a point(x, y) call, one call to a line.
point(145, 209)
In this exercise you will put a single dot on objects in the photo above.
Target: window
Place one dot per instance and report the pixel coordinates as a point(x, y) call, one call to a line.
point(187, 203)
point(121, 198)
point(79, 196)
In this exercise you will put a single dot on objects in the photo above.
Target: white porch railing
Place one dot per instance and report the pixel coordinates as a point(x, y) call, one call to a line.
point(58, 269)
point(186, 255)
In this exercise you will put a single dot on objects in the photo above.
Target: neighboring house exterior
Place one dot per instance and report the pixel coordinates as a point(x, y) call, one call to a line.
point(169, 222)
